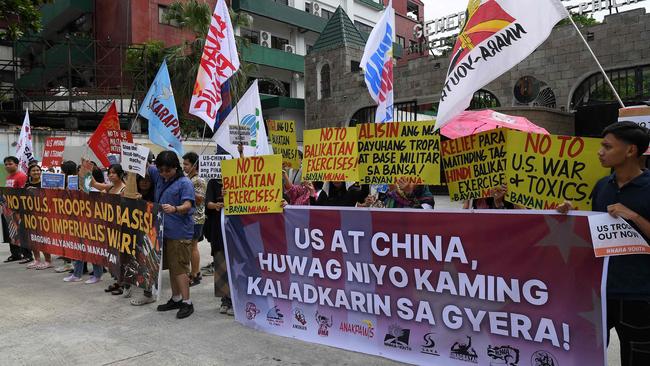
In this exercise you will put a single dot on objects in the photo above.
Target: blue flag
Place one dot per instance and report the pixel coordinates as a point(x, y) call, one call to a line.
point(159, 108)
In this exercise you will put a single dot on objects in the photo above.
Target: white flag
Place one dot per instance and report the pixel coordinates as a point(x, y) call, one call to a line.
point(497, 35)
point(377, 63)
point(249, 109)
point(24, 150)
point(218, 63)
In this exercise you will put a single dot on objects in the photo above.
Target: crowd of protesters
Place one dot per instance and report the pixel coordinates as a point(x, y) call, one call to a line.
point(192, 209)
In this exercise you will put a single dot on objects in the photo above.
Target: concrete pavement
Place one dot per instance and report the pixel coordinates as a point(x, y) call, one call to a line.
point(46, 321)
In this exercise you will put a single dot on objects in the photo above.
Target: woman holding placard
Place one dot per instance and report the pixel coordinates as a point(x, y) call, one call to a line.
point(34, 181)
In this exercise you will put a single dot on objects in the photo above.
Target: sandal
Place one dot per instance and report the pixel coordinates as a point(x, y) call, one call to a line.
point(117, 291)
point(112, 287)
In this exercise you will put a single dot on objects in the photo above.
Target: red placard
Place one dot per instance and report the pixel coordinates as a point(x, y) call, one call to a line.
point(115, 139)
point(53, 151)
point(99, 142)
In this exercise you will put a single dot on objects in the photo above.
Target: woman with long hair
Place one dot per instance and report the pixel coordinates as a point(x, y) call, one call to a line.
point(33, 182)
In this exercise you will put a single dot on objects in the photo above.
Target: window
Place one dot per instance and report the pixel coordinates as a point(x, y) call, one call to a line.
point(325, 87)
point(162, 16)
point(401, 41)
point(632, 85)
point(363, 28)
point(325, 13)
point(484, 99)
point(413, 11)
point(278, 43)
point(355, 66)
point(251, 35)
point(308, 8)
point(274, 87)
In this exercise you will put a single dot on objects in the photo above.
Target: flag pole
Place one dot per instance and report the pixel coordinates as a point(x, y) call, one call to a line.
point(602, 70)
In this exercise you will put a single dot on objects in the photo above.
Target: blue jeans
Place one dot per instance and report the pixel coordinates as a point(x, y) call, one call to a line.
point(98, 271)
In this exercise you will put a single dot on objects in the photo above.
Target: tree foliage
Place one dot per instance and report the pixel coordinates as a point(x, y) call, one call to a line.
point(580, 20)
point(22, 16)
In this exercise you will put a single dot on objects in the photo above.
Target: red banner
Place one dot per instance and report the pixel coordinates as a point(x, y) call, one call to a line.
point(99, 142)
point(53, 152)
point(116, 138)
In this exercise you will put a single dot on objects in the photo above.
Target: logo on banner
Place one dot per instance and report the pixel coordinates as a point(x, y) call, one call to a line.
point(429, 346)
point(504, 355)
point(252, 123)
point(543, 358)
point(365, 329)
point(397, 337)
point(324, 324)
point(483, 21)
point(464, 351)
point(251, 311)
point(300, 321)
point(275, 317)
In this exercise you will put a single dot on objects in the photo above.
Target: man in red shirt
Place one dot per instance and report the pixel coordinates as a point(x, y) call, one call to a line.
point(15, 179)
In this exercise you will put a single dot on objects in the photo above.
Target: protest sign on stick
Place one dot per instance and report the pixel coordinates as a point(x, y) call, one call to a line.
point(543, 171)
point(53, 151)
point(474, 164)
point(399, 150)
point(210, 166)
point(52, 180)
point(283, 141)
point(252, 185)
point(330, 154)
point(134, 158)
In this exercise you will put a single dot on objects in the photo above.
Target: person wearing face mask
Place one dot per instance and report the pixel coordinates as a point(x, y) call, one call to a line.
point(175, 194)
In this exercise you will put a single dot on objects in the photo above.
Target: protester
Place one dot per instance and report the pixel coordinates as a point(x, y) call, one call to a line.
point(212, 232)
point(15, 179)
point(68, 168)
point(342, 194)
point(79, 266)
point(34, 182)
point(191, 169)
point(495, 201)
point(175, 194)
point(403, 195)
point(145, 192)
point(626, 194)
point(302, 194)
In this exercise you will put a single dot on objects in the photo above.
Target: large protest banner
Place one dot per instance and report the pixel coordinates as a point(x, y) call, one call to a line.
point(283, 139)
point(543, 171)
point(121, 234)
point(330, 154)
point(475, 164)
point(422, 287)
point(399, 150)
point(252, 185)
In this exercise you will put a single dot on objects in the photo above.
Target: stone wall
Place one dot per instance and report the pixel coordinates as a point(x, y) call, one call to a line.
point(562, 62)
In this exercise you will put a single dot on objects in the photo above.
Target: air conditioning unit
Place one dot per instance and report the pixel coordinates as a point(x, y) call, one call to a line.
point(265, 39)
point(315, 8)
point(289, 48)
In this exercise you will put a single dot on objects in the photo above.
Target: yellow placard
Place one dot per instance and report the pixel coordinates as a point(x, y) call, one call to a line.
point(475, 164)
point(283, 140)
point(330, 154)
point(543, 171)
point(252, 185)
point(399, 150)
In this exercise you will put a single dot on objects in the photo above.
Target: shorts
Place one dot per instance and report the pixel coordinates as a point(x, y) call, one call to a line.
point(176, 256)
point(198, 232)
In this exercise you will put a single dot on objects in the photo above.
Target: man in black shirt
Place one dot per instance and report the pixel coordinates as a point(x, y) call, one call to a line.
point(626, 194)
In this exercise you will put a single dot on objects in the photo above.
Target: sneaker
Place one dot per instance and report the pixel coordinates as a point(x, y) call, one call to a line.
point(92, 280)
point(64, 268)
point(223, 309)
point(142, 300)
point(170, 305)
point(44, 265)
point(230, 311)
point(12, 259)
point(185, 310)
point(72, 278)
point(26, 260)
point(208, 272)
point(33, 265)
point(209, 266)
point(128, 291)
